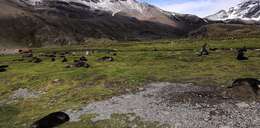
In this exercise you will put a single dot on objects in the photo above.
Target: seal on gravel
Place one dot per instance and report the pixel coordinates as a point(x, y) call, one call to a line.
point(245, 88)
point(52, 120)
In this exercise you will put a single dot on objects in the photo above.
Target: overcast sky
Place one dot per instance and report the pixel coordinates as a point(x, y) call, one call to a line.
point(199, 7)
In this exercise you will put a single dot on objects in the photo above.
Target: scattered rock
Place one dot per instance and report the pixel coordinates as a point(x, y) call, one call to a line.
point(224, 127)
point(106, 59)
point(57, 81)
point(242, 105)
point(52, 120)
point(74, 53)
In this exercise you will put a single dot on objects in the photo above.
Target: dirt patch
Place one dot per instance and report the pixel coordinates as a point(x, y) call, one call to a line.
point(24, 93)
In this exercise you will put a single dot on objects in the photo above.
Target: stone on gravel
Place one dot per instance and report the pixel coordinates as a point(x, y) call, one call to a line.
point(57, 81)
point(224, 127)
point(242, 105)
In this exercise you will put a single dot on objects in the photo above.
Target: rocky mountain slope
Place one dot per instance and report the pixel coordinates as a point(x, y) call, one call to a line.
point(48, 22)
point(246, 10)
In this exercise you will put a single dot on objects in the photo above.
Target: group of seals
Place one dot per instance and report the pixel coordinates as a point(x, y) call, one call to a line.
point(240, 52)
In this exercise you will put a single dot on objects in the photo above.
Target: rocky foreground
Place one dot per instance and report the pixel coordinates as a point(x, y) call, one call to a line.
point(179, 105)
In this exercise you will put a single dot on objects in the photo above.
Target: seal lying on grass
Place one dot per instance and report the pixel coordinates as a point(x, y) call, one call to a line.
point(3, 68)
point(52, 120)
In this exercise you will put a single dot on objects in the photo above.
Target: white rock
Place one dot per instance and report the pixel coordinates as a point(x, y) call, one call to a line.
point(242, 105)
point(224, 127)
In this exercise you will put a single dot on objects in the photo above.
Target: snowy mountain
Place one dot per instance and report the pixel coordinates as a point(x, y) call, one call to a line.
point(45, 22)
point(132, 8)
point(246, 10)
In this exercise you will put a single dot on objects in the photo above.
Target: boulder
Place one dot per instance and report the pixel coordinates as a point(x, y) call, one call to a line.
point(52, 120)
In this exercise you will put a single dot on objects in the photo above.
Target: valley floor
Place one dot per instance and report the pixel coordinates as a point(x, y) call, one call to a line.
point(29, 91)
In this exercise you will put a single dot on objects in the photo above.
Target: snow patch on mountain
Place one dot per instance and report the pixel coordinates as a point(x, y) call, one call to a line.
point(247, 10)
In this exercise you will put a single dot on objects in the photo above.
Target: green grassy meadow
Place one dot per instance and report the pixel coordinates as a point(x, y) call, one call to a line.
point(136, 64)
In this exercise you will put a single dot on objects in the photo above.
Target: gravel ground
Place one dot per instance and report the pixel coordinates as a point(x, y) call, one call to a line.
point(179, 105)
